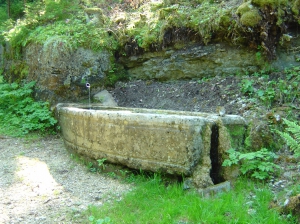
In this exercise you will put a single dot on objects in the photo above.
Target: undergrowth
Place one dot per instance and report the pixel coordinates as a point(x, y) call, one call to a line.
point(152, 202)
point(263, 86)
point(292, 136)
point(116, 24)
point(259, 165)
point(20, 114)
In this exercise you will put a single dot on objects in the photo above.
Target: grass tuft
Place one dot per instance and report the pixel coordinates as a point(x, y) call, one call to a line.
point(152, 202)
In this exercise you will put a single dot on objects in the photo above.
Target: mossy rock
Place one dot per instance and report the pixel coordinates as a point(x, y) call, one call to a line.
point(249, 15)
point(18, 70)
point(293, 206)
point(243, 8)
point(260, 136)
point(225, 20)
point(93, 10)
point(251, 18)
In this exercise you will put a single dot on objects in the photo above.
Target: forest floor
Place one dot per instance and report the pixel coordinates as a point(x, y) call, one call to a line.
point(41, 182)
point(204, 95)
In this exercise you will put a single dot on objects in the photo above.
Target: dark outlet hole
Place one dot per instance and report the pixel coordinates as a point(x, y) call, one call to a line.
point(215, 173)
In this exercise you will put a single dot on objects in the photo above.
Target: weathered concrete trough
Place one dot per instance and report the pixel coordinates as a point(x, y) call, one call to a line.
point(175, 142)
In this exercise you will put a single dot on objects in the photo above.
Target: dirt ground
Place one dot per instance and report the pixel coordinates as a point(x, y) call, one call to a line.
point(190, 95)
point(40, 182)
point(205, 95)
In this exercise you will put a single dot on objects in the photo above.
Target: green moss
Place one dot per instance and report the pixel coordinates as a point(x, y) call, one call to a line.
point(296, 7)
point(237, 134)
point(249, 15)
point(251, 18)
point(243, 8)
point(18, 71)
point(248, 142)
point(204, 19)
point(273, 3)
point(225, 20)
point(93, 10)
point(147, 25)
point(117, 73)
point(237, 130)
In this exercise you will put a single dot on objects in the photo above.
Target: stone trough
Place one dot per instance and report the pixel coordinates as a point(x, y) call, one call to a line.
point(184, 143)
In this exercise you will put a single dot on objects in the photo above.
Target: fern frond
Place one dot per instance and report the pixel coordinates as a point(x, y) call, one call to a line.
point(291, 142)
point(292, 136)
point(293, 128)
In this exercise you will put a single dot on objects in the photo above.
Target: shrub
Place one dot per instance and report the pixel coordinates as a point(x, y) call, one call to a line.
point(257, 164)
point(20, 114)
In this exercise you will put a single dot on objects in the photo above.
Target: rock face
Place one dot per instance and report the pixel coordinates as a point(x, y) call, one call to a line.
point(292, 205)
point(62, 73)
point(196, 61)
point(105, 98)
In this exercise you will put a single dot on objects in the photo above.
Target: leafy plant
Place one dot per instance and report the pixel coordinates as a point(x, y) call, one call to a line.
point(247, 86)
point(91, 167)
point(101, 163)
point(258, 53)
point(117, 73)
point(257, 164)
point(20, 114)
point(292, 136)
point(267, 90)
point(106, 220)
point(267, 96)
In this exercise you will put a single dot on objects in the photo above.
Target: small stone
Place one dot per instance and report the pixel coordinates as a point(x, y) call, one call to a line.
point(286, 202)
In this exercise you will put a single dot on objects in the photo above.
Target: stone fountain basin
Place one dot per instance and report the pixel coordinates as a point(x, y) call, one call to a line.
point(175, 142)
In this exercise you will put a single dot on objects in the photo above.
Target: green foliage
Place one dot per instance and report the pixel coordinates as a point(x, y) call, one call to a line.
point(54, 18)
point(101, 163)
point(268, 94)
point(106, 220)
point(93, 167)
point(296, 7)
point(20, 114)
point(247, 86)
point(292, 136)
point(3, 14)
point(1, 77)
point(149, 28)
point(257, 164)
point(59, 10)
point(74, 22)
point(273, 3)
point(153, 202)
point(258, 53)
point(76, 33)
point(117, 73)
point(283, 90)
